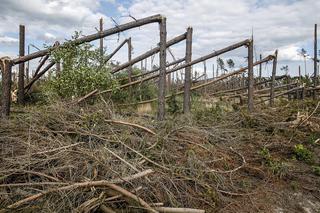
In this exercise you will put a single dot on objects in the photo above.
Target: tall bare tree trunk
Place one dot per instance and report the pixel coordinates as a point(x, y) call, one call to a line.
point(162, 75)
point(315, 75)
point(250, 77)
point(129, 59)
point(6, 67)
point(187, 74)
point(260, 68)
point(300, 73)
point(21, 66)
point(101, 39)
point(273, 77)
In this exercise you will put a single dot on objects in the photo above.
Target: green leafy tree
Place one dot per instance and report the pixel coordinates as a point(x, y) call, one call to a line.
point(221, 64)
point(230, 63)
point(285, 69)
point(82, 70)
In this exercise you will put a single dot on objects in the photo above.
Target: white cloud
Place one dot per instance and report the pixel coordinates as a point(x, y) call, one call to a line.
point(8, 40)
point(60, 17)
point(283, 25)
point(286, 25)
point(48, 37)
point(289, 53)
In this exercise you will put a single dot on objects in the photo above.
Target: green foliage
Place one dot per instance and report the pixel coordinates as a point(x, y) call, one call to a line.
point(82, 71)
point(316, 170)
point(173, 106)
point(277, 167)
point(313, 138)
point(230, 63)
point(249, 121)
point(302, 153)
point(140, 92)
point(208, 114)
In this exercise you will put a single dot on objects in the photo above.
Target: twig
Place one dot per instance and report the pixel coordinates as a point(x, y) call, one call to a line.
point(132, 196)
point(106, 209)
point(178, 210)
point(133, 125)
point(309, 115)
point(118, 180)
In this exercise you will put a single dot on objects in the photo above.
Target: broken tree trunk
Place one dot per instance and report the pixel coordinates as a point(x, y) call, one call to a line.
point(42, 62)
point(34, 79)
point(217, 79)
point(273, 77)
point(129, 59)
point(162, 74)
point(157, 69)
point(196, 61)
point(187, 73)
point(92, 37)
point(101, 40)
point(20, 92)
point(115, 51)
point(58, 63)
point(260, 68)
point(315, 61)
point(149, 53)
point(250, 77)
point(6, 67)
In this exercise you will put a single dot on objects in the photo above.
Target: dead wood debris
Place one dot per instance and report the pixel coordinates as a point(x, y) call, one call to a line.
point(55, 159)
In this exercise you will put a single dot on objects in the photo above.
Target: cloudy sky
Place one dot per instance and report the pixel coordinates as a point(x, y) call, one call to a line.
point(286, 25)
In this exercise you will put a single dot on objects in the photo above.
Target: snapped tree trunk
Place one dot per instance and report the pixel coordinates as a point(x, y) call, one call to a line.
point(187, 74)
point(6, 67)
point(250, 77)
point(21, 66)
point(162, 74)
point(273, 77)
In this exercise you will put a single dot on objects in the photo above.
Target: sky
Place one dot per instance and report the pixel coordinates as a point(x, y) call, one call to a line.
point(286, 25)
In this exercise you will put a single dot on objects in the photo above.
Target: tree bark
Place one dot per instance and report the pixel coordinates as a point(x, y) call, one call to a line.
point(260, 68)
point(20, 92)
point(42, 62)
point(115, 51)
point(157, 69)
point(129, 59)
point(315, 61)
point(273, 77)
point(101, 40)
point(162, 74)
point(6, 67)
point(34, 79)
point(149, 53)
point(250, 77)
point(92, 37)
point(187, 74)
point(196, 61)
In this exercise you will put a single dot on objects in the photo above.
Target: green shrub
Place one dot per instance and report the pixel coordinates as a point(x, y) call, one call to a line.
point(277, 167)
point(302, 153)
point(85, 70)
point(173, 106)
point(82, 71)
point(316, 170)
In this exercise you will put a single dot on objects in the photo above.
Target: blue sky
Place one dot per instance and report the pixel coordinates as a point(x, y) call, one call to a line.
point(286, 25)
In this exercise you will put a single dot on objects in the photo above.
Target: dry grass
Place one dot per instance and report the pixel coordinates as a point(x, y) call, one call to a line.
point(209, 161)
